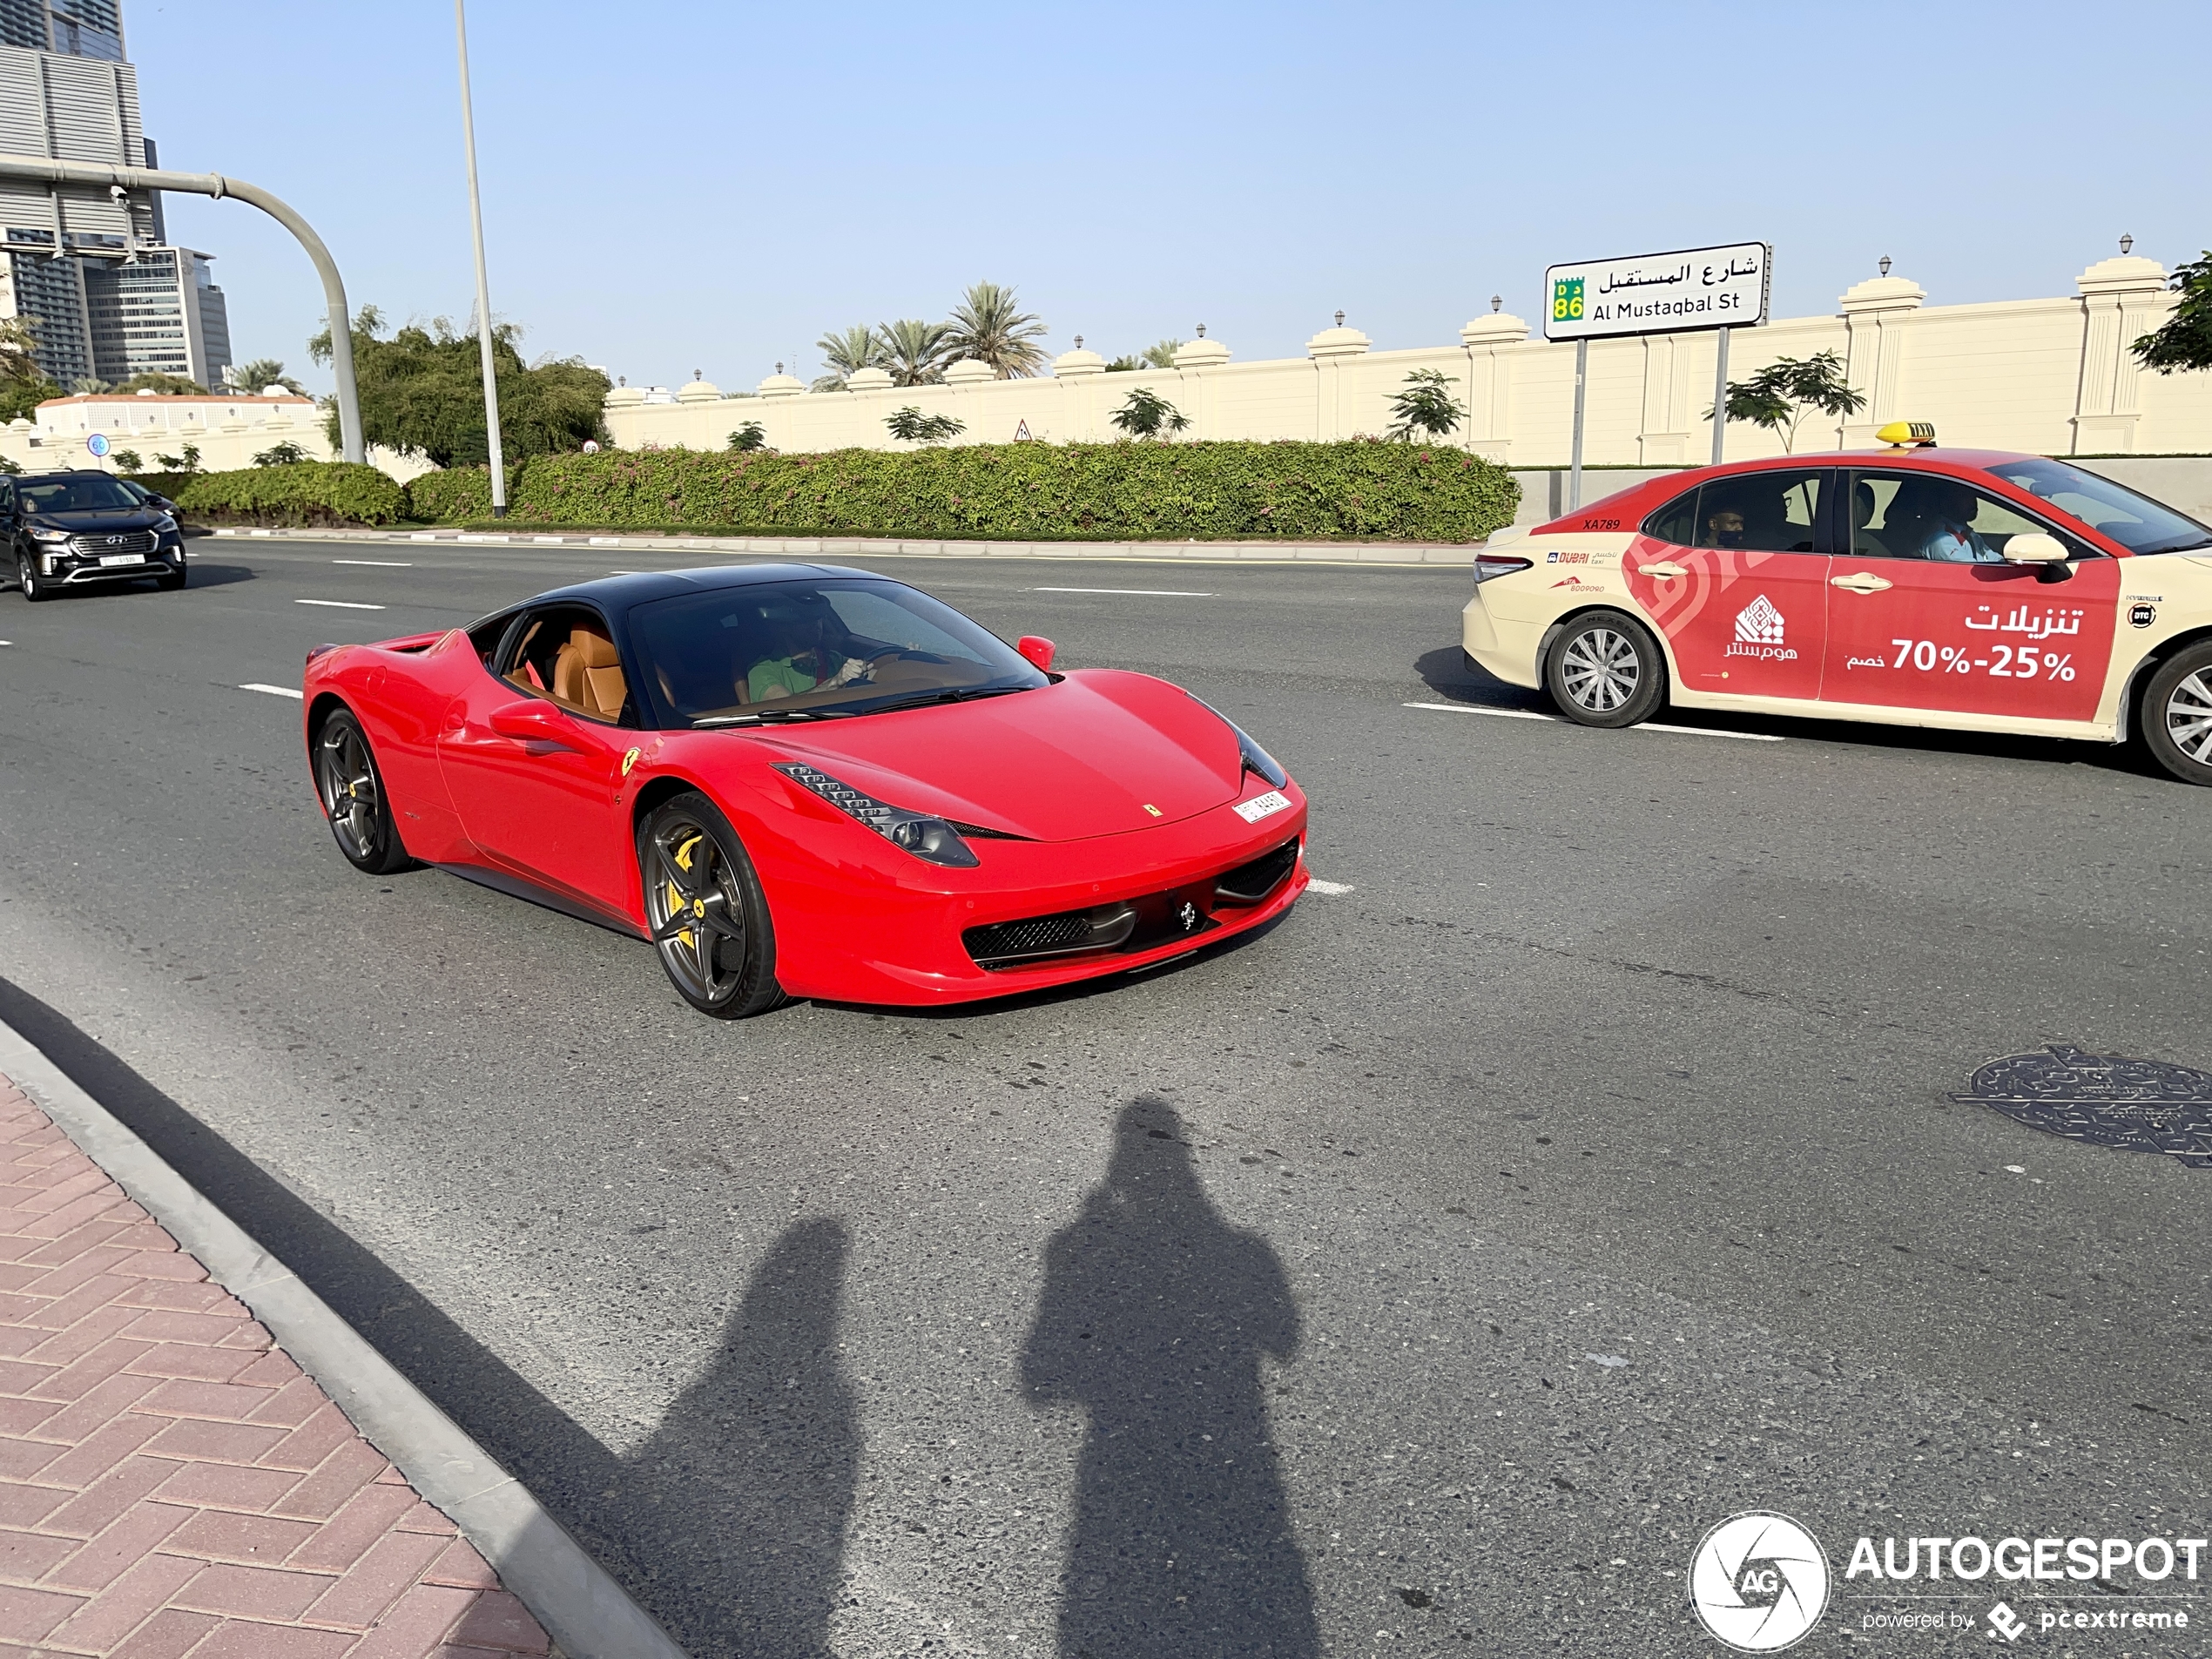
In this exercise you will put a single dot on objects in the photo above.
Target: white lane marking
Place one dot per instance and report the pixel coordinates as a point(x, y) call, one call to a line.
point(7, 641)
point(1315, 884)
point(1710, 731)
point(383, 564)
point(1502, 714)
point(273, 690)
point(338, 605)
point(1145, 593)
point(1647, 725)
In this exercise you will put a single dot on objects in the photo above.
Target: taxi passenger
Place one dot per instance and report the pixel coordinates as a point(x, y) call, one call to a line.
point(1940, 513)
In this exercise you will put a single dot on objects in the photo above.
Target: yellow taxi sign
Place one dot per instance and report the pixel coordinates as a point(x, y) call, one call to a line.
point(1907, 435)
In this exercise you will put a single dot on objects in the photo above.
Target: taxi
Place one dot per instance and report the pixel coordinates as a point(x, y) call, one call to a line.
point(1968, 589)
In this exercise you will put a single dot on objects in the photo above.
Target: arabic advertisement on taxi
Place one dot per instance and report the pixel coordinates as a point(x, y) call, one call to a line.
point(1650, 293)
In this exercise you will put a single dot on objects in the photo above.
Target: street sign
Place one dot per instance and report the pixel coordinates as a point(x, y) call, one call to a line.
point(1658, 293)
point(98, 443)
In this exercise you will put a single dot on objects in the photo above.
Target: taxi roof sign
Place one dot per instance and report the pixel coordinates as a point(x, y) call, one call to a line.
point(1907, 435)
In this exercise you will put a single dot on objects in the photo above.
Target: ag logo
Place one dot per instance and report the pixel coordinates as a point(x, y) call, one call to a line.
point(1759, 1582)
point(1566, 299)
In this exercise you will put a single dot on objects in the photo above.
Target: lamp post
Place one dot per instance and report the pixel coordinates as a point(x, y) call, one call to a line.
point(483, 282)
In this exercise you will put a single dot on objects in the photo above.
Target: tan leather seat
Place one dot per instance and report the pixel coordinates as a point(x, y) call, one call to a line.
point(588, 674)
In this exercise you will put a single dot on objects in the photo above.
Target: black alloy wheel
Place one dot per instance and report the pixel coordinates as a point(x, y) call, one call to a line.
point(2177, 715)
point(35, 587)
point(353, 795)
point(1605, 670)
point(709, 916)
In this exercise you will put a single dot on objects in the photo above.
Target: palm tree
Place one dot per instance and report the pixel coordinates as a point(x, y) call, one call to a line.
point(1159, 356)
point(913, 351)
point(18, 346)
point(845, 354)
point(250, 377)
point(989, 327)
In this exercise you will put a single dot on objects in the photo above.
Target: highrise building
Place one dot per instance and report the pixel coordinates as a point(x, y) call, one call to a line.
point(110, 295)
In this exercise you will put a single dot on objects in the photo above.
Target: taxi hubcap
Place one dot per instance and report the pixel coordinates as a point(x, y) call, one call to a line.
point(2189, 718)
point(1599, 669)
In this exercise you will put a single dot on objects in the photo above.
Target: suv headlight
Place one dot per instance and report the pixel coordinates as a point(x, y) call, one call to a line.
point(165, 524)
point(920, 833)
point(39, 535)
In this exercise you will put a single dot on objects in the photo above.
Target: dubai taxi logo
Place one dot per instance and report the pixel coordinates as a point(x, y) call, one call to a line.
point(1759, 1582)
point(1566, 299)
point(1758, 633)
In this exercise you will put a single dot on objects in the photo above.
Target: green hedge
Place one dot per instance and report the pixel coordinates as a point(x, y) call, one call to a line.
point(1020, 491)
point(164, 484)
point(456, 495)
point(306, 493)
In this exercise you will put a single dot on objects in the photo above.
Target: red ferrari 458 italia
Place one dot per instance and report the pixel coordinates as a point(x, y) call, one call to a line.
point(800, 780)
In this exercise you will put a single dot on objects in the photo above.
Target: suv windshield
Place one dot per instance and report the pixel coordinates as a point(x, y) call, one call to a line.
point(2137, 522)
point(84, 492)
point(793, 650)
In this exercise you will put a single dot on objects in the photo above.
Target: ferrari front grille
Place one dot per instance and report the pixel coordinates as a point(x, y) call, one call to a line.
point(1250, 883)
point(1003, 944)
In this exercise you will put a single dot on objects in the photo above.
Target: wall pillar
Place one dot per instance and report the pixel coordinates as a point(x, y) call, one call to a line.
point(1489, 343)
point(1079, 414)
point(1877, 315)
point(2122, 301)
point(1331, 351)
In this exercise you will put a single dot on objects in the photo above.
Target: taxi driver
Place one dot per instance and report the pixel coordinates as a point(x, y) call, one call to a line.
point(1942, 511)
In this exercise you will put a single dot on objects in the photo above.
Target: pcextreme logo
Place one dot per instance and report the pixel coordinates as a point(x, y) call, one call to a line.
point(1759, 1581)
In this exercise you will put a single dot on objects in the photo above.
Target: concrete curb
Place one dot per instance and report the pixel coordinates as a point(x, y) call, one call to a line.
point(1404, 554)
point(586, 1613)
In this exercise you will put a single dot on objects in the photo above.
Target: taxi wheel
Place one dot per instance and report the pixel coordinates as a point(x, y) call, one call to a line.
point(2177, 717)
point(1605, 670)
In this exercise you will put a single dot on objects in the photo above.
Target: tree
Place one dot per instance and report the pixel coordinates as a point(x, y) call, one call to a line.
point(1780, 395)
point(1158, 356)
point(1425, 406)
point(188, 462)
point(127, 460)
point(423, 392)
point(250, 377)
point(2184, 340)
point(89, 385)
point(847, 355)
point(1145, 414)
point(166, 384)
point(913, 351)
point(750, 436)
point(285, 453)
point(19, 349)
point(910, 425)
point(989, 327)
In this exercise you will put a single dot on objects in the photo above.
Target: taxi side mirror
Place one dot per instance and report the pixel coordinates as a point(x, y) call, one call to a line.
point(2034, 548)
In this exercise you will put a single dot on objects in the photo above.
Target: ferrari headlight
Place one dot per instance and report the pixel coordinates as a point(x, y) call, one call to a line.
point(1255, 759)
point(917, 833)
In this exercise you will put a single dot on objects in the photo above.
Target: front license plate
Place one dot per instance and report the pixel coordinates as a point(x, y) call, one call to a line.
point(123, 558)
point(1261, 806)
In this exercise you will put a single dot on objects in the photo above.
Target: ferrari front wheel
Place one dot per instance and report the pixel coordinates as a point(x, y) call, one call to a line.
point(352, 788)
point(709, 917)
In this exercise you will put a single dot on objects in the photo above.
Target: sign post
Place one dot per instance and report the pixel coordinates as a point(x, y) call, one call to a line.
point(1688, 291)
point(1720, 396)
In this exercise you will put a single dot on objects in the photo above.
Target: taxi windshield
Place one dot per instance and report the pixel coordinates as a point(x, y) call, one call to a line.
point(816, 650)
point(2137, 522)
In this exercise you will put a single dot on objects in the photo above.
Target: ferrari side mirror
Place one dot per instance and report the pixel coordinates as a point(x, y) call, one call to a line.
point(1037, 648)
point(530, 721)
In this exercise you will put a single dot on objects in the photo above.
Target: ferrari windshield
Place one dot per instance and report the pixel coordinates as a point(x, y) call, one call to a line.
point(815, 650)
point(83, 492)
point(2137, 522)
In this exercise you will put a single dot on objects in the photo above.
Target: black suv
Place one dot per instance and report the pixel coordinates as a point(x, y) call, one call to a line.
point(70, 530)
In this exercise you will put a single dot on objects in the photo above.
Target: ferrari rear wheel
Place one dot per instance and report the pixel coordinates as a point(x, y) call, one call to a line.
point(709, 916)
point(2177, 715)
point(1604, 670)
point(353, 796)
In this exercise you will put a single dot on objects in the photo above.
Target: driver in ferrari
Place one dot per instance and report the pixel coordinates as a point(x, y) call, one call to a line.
point(800, 657)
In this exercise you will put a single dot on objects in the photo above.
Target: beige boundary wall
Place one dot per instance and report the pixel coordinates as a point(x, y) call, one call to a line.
point(228, 432)
point(2046, 376)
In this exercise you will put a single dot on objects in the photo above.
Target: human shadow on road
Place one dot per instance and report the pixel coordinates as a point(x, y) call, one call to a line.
point(1155, 1316)
point(763, 1451)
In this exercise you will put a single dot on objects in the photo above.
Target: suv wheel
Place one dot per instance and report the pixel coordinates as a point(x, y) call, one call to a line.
point(35, 587)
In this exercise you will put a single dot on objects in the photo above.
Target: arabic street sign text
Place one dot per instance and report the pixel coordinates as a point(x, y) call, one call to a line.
point(1657, 293)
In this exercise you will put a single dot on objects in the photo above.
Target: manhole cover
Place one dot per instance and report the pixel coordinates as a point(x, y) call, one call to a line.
point(2144, 1105)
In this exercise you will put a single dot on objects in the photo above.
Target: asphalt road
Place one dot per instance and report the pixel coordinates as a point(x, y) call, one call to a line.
point(1425, 1275)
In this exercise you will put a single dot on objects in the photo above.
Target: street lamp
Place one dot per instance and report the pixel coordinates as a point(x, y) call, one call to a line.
point(483, 282)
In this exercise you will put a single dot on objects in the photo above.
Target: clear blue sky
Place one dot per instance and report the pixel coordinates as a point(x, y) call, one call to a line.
point(681, 185)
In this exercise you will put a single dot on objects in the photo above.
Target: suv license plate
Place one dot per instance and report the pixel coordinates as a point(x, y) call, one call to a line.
point(123, 558)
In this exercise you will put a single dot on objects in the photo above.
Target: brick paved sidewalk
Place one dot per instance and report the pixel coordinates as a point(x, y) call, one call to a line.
point(171, 1484)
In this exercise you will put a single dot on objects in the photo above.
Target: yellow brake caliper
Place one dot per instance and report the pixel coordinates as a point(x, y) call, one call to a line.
point(676, 903)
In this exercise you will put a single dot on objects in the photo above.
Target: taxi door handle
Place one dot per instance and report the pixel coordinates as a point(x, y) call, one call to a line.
point(1664, 567)
point(1860, 582)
